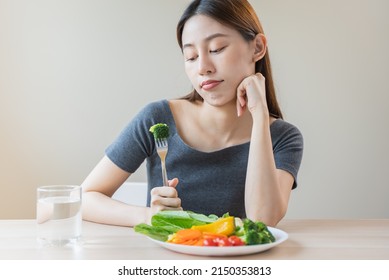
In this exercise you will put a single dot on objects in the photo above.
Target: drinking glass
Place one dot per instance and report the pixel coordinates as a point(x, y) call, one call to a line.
point(58, 214)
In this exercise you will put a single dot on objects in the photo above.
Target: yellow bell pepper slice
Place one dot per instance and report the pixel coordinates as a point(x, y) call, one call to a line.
point(225, 226)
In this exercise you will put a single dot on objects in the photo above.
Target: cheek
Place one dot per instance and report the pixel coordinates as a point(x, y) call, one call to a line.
point(239, 70)
point(192, 75)
point(242, 61)
point(244, 66)
point(238, 73)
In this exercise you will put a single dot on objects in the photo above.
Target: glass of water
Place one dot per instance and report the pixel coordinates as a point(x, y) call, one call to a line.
point(58, 215)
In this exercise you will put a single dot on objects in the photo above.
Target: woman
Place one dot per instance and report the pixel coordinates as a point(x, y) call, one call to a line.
point(229, 149)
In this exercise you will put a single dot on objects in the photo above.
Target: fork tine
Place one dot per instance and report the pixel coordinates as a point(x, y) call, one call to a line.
point(161, 143)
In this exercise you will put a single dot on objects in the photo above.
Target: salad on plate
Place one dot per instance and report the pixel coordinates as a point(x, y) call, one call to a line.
point(194, 229)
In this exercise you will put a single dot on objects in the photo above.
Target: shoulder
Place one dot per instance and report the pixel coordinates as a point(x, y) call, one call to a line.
point(182, 105)
point(280, 126)
point(283, 132)
point(156, 107)
point(155, 112)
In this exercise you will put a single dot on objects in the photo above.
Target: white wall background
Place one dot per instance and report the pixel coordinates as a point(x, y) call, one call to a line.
point(73, 73)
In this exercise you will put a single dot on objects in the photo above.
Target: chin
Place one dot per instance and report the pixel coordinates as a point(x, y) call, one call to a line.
point(219, 101)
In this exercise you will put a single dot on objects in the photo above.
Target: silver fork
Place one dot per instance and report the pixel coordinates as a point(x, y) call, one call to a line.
point(162, 148)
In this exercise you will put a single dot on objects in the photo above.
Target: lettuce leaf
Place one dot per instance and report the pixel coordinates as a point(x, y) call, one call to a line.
point(167, 222)
point(153, 232)
point(176, 220)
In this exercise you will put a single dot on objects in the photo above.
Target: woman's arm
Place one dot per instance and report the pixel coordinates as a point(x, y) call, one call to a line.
point(98, 188)
point(101, 184)
point(267, 188)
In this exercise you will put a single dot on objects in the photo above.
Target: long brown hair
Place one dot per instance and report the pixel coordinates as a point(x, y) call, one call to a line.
point(240, 15)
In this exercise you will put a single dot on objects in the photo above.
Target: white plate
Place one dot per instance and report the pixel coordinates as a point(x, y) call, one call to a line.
point(279, 235)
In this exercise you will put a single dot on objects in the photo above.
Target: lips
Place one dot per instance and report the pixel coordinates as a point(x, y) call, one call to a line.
point(210, 84)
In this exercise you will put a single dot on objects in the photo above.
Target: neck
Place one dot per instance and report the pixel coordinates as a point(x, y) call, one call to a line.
point(224, 121)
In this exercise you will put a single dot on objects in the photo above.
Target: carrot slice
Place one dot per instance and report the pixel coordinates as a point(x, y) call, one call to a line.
point(186, 237)
point(188, 234)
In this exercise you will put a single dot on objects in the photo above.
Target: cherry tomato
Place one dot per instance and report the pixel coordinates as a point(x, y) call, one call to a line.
point(236, 241)
point(223, 241)
point(209, 242)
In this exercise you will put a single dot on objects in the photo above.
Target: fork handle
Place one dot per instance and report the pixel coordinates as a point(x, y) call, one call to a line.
point(164, 175)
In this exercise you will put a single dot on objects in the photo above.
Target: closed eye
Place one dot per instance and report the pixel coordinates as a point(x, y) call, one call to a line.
point(190, 59)
point(217, 50)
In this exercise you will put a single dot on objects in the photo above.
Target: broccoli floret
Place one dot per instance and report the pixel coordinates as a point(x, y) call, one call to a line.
point(160, 131)
point(254, 233)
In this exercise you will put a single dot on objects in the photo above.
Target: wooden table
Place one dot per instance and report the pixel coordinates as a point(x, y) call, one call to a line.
point(308, 240)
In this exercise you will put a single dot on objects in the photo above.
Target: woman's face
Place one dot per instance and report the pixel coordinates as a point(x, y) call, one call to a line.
point(217, 59)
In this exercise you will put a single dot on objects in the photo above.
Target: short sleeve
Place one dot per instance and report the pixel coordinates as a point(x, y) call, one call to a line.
point(288, 145)
point(135, 143)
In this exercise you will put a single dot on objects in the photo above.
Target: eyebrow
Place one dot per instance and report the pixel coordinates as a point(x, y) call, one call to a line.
point(207, 39)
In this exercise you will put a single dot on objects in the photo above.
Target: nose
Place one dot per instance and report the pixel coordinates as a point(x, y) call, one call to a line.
point(206, 65)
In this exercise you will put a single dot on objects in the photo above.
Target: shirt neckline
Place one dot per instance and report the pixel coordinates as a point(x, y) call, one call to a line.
point(176, 134)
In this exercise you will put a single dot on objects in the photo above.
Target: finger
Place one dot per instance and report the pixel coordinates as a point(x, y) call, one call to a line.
point(242, 97)
point(173, 182)
point(171, 202)
point(260, 76)
point(159, 202)
point(164, 192)
point(239, 108)
point(241, 100)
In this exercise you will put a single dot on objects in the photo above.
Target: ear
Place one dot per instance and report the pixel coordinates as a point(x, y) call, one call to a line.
point(260, 47)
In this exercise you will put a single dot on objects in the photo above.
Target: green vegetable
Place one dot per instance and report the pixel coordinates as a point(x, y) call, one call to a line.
point(254, 233)
point(160, 130)
point(154, 232)
point(167, 222)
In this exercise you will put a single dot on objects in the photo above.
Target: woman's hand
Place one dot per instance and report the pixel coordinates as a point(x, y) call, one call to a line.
point(165, 198)
point(251, 95)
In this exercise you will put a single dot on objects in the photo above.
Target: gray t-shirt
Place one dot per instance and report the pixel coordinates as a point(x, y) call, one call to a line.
point(209, 182)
